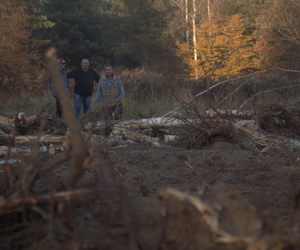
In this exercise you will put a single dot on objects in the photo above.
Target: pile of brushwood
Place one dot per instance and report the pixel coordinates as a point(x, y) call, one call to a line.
point(30, 125)
point(277, 119)
point(71, 213)
point(200, 131)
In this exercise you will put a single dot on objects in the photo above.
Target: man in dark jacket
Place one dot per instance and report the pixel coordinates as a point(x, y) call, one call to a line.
point(111, 92)
point(61, 64)
point(84, 85)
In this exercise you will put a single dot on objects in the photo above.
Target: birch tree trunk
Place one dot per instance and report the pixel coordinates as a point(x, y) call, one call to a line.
point(209, 17)
point(182, 20)
point(187, 32)
point(187, 23)
point(209, 36)
point(194, 39)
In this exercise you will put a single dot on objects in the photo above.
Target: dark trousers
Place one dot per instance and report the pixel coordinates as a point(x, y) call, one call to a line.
point(112, 113)
point(58, 108)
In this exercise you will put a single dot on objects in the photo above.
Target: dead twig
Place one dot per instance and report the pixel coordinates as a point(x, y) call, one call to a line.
point(10, 206)
point(23, 180)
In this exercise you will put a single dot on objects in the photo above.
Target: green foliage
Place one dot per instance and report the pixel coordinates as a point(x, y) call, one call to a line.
point(33, 11)
point(250, 9)
point(76, 33)
point(137, 32)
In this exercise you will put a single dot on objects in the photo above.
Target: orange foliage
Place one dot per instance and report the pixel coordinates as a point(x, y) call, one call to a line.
point(15, 63)
point(222, 49)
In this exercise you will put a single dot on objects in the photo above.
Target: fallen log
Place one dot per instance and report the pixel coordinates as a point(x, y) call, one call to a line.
point(152, 122)
point(23, 150)
point(127, 134)
point(46, 139)
point(170, 138)
point(59, 142)
point(5, 119)
point(250, 130)
point(11, 161)
point(165, 121)
point(236, 113)
point(141, 123)
point(55, 149)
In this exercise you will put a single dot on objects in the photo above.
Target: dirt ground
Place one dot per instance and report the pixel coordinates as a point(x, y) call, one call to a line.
point(230, 196)
point(145, 169)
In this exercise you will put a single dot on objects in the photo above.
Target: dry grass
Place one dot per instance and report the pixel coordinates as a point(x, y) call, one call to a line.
point(150, 94)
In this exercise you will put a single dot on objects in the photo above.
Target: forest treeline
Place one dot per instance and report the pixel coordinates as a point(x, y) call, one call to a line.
point(186, 38)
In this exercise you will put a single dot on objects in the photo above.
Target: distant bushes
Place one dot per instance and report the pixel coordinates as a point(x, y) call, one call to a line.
point(148, 93)
point(145, 88)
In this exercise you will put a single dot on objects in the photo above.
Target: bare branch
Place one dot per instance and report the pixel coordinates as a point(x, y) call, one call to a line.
point(229, 80)
point(269, 90)
point(79, 149)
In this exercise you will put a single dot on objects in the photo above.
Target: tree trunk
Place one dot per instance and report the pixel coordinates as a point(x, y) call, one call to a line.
point(194, 39)
point(187, 22)
point(187, 32)
point(182, 20)
point(46, 139)
point(127, 134)
point(209, 36)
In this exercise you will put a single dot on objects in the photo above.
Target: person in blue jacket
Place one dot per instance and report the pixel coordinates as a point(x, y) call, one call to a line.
point(61, 64)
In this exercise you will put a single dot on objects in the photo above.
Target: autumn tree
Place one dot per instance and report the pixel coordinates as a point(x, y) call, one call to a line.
point(222, 48)
point(279, 44)
point(14, 54)
point(250, 10)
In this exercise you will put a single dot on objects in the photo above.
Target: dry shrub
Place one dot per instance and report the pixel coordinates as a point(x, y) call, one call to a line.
point(31, 125)
point(146, 87)
point(199, 131)
point(277, 119)
point(141, 83)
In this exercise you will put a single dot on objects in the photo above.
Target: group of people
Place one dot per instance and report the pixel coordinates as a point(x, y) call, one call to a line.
point(110, 89)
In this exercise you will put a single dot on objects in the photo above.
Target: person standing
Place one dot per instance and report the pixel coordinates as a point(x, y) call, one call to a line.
point(84, 84)
point(61, 64)
point(111, 92)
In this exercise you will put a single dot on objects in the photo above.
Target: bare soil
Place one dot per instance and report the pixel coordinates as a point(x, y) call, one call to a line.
point(145, 169)
point(249, 194)
point(247, 185)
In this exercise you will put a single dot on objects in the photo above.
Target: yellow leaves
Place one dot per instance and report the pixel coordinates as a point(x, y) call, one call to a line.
point(222, 48)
